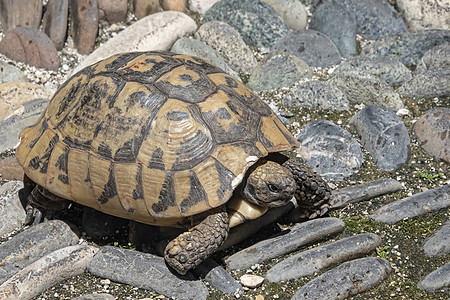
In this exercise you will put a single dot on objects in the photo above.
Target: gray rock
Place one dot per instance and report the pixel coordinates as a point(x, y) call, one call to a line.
point(437, 58)
point(438, 280)
point(33, 243)
point(10, 73)
point(427, 85)
point(316, 94)
point(348, 279)
point(439, 242)
point(389, 69)
point(315, 48)
point(229, 44)
point(200, 49)
point(383, 135)
point(218, 277)
point(432, 131)
point(145, 271)
point(292, 11)
point(84, 24)
point(416, 205)
point(25, 13)
point(278, 71)
point(54, 22)
point(409, 47)
point(47, 271)
point(319, 258)
point(257, 22)
point(336, 22)
point(11, 209)
point(95, 296)
point(376, 19)
point(424, 14)
point(299, 235)
point(363, 192)
point(12, 126)
point(329, 149)
point(201, 6)
point(367, 89)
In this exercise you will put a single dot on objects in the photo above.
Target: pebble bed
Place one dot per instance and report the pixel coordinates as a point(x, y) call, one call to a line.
point(403, 254)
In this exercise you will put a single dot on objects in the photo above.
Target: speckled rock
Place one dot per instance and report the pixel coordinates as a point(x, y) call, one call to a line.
point(408, 47)
point(383, 135)
point(293, 12)
point(229, 44)
point(319, 258)
point(200, 49)
point(315, 48)
point(33, 243)
point(84, 24)
point(95, 296)
point(329, 149)
point(201, 6)
point(54, 22)
point(367, 89)
point(278, 71)
point(388, 69)
point(432, 131)
point(257, 22)
point(156, 32)
point(416, 205)
point(346, 280)
point(47, 271)
point(437, 58)
point(11, 209)
point(427, 85)
point(438, 280)
point(336, 22)
point(425, 14)
point(25, 13)
point(363, 192)
point(316, 94)
point(30, 46)
point(10, 73)
point(112, 11)
point(300, 235)
point(439, 242)
point(145, 271)
point(218, 277)
point(376, 19)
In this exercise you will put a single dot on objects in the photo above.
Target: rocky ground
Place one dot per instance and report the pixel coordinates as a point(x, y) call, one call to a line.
point(367, 96)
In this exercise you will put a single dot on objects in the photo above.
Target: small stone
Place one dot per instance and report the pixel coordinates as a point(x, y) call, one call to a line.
point(315, 48)
point(218, 277)
point(278, 71)
point(437, 58)
point(438, 280)
point(112, 11)
point(363, 192)
point(439, 242)
point(20, 13)
point(348, 279)
point(47, 271)
point(416, 205)
point(427, 85)
point(293, 12)
point(95, 296)
point(176, 5)
point(143, 8)
point(384, 135)
point(299, 235)
point(424, 14)
point(54, 22)
point(319, 258)
point(201, 6)
point(432, 131)
point(10, 73)
point(84, 16)
point(251, 281)
point(329, 149)
point(30, 46)
point(11, 209)
point(157, 32)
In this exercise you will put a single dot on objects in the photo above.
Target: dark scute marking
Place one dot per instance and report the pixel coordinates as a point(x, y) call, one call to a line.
point(202, 66)
point(288, 137)
point(121, 60)
point(138, 192)
point(77, 144)
point(157, 160)
point(225, 177)
point(187, 78)
point(223, 113)
point(104, 150)
point(177, 116)
point(71, 94)
point(231, 82)
point(98, 128)
point(166, 196)
point(34, 162)
point(63, 178)
point(110, 188)
point(63, 160)
point(196, 194)
point(128, 152)
point(251, 101)
point(44, 127)
point(193, 151)
point(46, 156)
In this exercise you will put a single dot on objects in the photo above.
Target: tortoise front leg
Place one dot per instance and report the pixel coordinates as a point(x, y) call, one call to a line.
point(192, 247)
point(313, 193)
point(42, 204)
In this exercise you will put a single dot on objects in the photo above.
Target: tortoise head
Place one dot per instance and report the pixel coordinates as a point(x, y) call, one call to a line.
point(269, 184)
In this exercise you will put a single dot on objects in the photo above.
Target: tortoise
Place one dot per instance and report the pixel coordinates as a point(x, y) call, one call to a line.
point(167, 140)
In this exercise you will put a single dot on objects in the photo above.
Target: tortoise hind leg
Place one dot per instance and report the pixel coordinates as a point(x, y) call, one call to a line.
point(42, 204)
point(192, 247)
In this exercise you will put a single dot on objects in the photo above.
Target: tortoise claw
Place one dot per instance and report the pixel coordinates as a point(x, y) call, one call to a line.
point(33, 216)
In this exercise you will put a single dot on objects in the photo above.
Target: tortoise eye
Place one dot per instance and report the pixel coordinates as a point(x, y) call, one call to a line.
point(273, 188)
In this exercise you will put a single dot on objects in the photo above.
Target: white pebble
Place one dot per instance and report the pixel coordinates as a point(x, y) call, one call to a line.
point(251, 281)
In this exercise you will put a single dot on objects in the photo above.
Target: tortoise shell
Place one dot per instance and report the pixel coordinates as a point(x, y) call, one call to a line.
point(150, 136)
